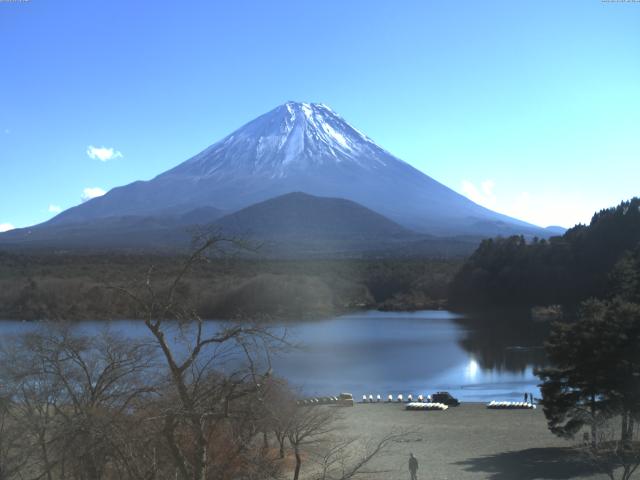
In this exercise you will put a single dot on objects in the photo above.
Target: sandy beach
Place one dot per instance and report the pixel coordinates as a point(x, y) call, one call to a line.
point(467, 442)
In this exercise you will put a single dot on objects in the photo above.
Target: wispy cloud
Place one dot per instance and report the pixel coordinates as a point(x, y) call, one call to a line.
point(92, 192)
point(5, 227)
point(540, 208)
point(103, 154)
point(482, 194)
point(54, 208)
point(549, 208)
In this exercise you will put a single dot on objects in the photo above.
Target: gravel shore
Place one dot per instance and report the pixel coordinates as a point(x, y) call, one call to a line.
point(467, 442)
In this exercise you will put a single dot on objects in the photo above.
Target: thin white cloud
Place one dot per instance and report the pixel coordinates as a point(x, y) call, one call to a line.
point(549, 208)
point(542, 208)
point(482, 194)
point(5, 227)
point(54, 208)
point(92, 192)
point(470, 191)
point(104, 154)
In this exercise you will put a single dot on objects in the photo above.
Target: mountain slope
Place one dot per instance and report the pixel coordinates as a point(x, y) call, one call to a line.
point(128, 232)
point(301, 147)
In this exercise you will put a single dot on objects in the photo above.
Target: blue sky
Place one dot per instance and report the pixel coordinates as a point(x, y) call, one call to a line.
point(530, 108)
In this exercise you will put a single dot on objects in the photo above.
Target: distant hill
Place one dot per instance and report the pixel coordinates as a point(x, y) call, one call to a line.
point(298, 224)
point(555, 230)
point(291, 225)
point(303, 217)
point(587, 261)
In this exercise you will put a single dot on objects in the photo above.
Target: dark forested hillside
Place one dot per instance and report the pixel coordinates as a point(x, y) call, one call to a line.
point(587, 261)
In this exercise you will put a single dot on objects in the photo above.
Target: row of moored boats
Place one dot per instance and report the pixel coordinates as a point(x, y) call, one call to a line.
point(420, 403)
point(510, 405)
point(398, 399)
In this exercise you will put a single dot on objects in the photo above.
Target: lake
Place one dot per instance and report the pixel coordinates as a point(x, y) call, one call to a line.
point(476, 358)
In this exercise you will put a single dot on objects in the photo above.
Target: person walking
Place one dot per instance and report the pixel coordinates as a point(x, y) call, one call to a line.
point(413, 467)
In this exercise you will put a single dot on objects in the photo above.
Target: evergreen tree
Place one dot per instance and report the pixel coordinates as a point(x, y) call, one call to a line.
point(625, 277)
point(574, 388)
point(595, 370)
point(623, 319)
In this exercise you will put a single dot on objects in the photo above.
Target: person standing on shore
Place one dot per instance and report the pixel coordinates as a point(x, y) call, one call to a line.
point(413, 467)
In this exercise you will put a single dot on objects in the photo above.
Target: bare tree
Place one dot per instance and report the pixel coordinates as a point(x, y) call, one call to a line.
point(347, 458)
point(308, 426)
point(32, 398)
point(210, 370)
point(73, 395)
point(315, 432)
point(279, 406)
point(13, 451)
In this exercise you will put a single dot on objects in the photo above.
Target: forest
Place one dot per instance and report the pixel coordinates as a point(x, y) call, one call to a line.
point(83, 286)
point(592, 260)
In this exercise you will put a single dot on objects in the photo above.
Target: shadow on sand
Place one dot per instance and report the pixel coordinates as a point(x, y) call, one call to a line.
point(530, 464)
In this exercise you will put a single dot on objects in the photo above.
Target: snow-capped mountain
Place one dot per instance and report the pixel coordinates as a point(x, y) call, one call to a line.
point(301, 147)
point(293, 138)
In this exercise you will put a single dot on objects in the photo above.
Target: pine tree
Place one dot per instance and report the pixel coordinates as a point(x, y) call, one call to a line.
point(574, 388)
point(595, 370)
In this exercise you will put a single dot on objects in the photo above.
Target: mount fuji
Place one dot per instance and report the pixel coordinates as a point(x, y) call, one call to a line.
point(296, 147)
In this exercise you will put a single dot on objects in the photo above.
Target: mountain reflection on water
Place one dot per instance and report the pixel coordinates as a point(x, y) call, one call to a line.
point(477, 358)
point(509, 342)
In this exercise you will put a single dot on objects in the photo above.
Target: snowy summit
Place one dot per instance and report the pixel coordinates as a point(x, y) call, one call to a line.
point(292, 136)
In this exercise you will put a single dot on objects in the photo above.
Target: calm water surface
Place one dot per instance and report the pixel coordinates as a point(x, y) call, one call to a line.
point(474, 358)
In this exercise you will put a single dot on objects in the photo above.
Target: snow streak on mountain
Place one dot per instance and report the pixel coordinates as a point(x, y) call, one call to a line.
point(293, 137)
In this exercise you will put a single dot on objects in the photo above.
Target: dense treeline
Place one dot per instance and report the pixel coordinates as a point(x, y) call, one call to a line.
point(72, 287)
point(587, 261)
